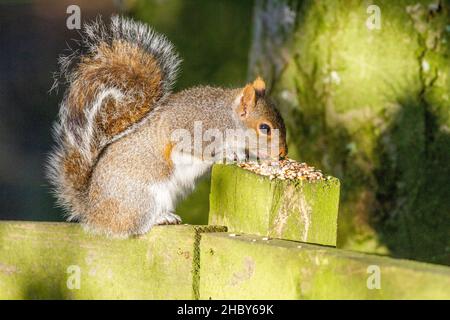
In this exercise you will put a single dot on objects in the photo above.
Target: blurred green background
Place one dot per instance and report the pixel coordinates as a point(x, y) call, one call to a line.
point(368, 103)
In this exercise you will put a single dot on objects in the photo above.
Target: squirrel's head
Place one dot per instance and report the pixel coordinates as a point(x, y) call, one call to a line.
point(257, 112)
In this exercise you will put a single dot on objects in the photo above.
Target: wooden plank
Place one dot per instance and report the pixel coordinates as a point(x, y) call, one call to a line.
point(43, 261)
point(248, 267)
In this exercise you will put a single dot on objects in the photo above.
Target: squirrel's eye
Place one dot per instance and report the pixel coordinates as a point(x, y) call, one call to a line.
point(265, 128)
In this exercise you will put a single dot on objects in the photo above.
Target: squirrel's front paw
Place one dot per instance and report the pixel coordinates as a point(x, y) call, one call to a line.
point(169, 218)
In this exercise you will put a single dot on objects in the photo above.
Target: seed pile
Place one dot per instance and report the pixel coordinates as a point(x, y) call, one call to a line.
point(287, 169)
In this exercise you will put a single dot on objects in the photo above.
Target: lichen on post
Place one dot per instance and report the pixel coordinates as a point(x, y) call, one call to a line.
point(297, 210)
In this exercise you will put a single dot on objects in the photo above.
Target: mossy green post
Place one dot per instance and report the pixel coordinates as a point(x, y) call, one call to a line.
point(364, 88)
point(248, 267)
point(43, 261)
point(294, 210)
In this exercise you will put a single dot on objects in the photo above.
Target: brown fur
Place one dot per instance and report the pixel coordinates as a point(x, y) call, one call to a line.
point(123, 66)
point(110, 216)
point(75, 171)
point(168, 153)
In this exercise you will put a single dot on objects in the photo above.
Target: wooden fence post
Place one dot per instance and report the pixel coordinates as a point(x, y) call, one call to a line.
point(293, 210)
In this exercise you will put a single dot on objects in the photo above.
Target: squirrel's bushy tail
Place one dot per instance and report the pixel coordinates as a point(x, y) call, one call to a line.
point(120, 73)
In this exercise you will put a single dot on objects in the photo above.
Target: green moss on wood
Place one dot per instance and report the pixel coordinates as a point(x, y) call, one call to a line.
point(254, 204)
point(247, 267)
point(190, 262)
point(35, 257)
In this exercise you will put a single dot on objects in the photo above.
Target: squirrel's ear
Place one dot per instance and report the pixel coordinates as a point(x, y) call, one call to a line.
point(248, 101)
point(252, 92)
point(260, 87)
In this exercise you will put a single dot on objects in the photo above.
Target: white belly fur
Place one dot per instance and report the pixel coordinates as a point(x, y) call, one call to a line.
point(187, 169)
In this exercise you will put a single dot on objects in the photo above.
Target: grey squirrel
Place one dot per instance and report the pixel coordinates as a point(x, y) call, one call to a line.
point(115, 167)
